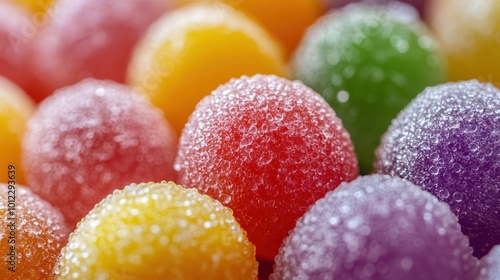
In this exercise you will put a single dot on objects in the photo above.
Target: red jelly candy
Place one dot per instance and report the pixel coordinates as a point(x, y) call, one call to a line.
point(90, 38)
point(267, 148)
point(92, 138)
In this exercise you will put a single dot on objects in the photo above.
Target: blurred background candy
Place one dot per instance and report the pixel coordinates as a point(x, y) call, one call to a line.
point(16, 33)
point(37, 7)
point(267, 148)
point(91, 138)
point(286, 20)
point(447, 141)
point(15, 109)
point(469, 32)
point(188, 53)
point(419, 5)
point(368, 62)
point(32, 234)
point(376, 227)
point(158, 231)
point(89, 38)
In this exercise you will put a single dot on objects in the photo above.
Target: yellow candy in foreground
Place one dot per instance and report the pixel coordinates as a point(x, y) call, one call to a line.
point(158, 231)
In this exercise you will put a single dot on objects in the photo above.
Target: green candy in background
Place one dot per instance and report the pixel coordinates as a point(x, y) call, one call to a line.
point(369, 62)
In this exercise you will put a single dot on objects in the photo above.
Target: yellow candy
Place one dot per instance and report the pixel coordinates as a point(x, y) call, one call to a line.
point(158, 231)
point(285, 19)
point(36, 6)
point(188, 53)
point(15, 108)
point(470, 35)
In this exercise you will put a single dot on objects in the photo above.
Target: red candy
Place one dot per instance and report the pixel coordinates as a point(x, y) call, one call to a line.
point(88, 38)
point(15, 33)
point(92, 138)
point(267, 148)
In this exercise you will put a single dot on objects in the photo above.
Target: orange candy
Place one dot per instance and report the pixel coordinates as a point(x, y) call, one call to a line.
point(188, 53)
point(35, 6)
point(15, 108)
point(285, 19)
point(32, 234)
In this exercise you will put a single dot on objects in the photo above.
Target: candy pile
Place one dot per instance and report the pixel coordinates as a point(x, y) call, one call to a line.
point(244, 139)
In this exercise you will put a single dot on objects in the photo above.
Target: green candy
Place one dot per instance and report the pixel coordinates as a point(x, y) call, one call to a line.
point(369, 62)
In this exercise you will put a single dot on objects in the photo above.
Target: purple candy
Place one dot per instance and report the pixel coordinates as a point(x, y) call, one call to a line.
point(491, 265)
point(376, 227)
point(447, 140)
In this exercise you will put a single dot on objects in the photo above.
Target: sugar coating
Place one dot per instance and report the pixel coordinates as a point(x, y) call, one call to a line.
point(158, 231)
point(376, 227)
point(491, 265)
point(447, 141)
point(368, 62)
point(267, 148)
point(87, 38)
point(91, 138)
point(38, 234)
point(188, 53)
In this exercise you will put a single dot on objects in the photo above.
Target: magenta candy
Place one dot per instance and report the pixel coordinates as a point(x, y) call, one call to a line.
point(447, 140)
point(92, 138)
point(376, 227)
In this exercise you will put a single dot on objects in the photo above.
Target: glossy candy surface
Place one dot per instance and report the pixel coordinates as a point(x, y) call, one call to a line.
point(267, 148)
point(32, 234)
point(376, 227)
point(15, 109)
point(91, 138)
point(188, 53)
point(368, 62)
point(88, 38)
point(158, 231)
point(469, 32)
point(447, 140)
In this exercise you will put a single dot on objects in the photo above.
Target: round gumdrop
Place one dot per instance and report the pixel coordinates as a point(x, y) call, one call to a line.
point(368, 62)
point(158, 231)
point(469, 32)
point(188, 53)
point(89, 38)
point(420, 5)
point(15, 109)
point(15, 35)
point(32, 235)
point(285, 19)
point(91, 138)
point(447, 141)
point(490, 263)
point(376, 227)
point(267, 148)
